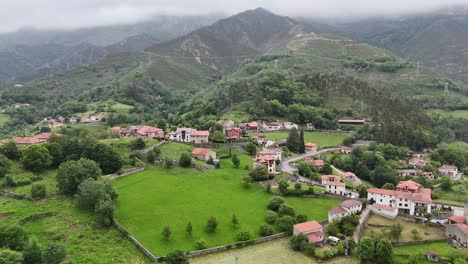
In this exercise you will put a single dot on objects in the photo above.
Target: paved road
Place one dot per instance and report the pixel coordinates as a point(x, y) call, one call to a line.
point(146, 150)
point(286, 163)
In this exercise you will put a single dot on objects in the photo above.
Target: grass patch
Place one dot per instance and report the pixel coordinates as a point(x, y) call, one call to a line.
point(4, 119)
point(121, 108)
point(152, 199)
point(457, 194)
point(322, 139)
point(441, 248)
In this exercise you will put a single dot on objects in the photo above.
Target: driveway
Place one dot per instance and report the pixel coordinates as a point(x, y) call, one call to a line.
point(286, 163)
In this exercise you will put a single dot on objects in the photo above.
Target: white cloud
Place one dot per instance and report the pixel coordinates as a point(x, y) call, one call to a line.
point(15, 14)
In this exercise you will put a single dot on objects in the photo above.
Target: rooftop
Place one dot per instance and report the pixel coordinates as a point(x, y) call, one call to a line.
point(201, 151)
point(384, 207)
point(307, 226)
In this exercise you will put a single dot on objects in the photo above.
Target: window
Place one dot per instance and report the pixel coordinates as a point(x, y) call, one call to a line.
point(399, 204)
point(381, 200)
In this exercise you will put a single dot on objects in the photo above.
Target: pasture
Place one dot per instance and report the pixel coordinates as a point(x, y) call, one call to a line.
point(322, 139)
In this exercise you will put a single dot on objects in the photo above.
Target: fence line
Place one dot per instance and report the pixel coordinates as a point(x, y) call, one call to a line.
point(140, 246)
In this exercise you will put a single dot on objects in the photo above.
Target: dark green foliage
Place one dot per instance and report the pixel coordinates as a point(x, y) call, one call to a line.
point(12, 237)
point(235, 161)
point(283, 186)
point(54, 254)
point(72, 173)
point(212, 224)
point(286, 209)
point(105, 210)
point(251, 148)
point(446, 183)
point(326, 169)
point(36, 158)
point(218, 136)
point(275, 203)
point(189, 228)
point(91, 192)
point(200, 244)
point(56, 152)
point(384, 252)
point(455, 153)
point(8, 256)
point(366, 250)
point(10, 150)
point(293, 143)
point(389, 186)
point(305, 169)
point(266, 230)
point(297, 186)
point(301, 148)
point(138, 143)
point(234, 220)
point(243, 235)
point(285, 223)
point(32, 252)
point(185, 160)
point(395, 231)
point(108, 159)
point(166, 233)
point(296, 242)
point(5, 165)
point(271, 217)
point(259, 173)
point(38, 190)
point(176, 257)
point(301, 218)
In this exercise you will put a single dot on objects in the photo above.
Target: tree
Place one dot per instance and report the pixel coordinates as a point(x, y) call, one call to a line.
point(446, 183)
point(189, 228)
point(304, 169)
point(72, 173)
point(8, 256)
point(91, 192)
point(56, 152)
point(234, 220)
point(326, 169)
point(176, 257)
point(210, 160)
point(301, 142)
point(54, 254)
point(243, 235)
point(251, 149)
point(38, 190)
point(10, 150)
point(271, 217)
point(105, 209)
point(395, 231)
point(32, 252)
point(366, 250)
point(384, 252)
point(108, 159)
point(275, 203)
point(389, 186)
point(283, 186)
point(301, 218)
point(138, 143)
point(266, 230)
point(166, 233)
point(185, 160)
point(12, 237)
point(333, 229)
point(293, 142)
point(298, 186)
point(218, 136)
point(416, 235)
point(259, 173)
point(212, 224)
point(5, 165)
point(162, 124)
point(286, 209)
point(285, 223)
point(36, 158)
point(297, 242)
point(235, 161)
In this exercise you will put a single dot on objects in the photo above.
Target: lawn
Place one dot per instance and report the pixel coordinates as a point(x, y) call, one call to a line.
point(150, 200)
point(121, 108)
point(402, 253)
point(76, 229)
point(458, 193)
point(426, 232)
point(450, 114)
point(322, 139)
point(272, 252)
point(3, 119)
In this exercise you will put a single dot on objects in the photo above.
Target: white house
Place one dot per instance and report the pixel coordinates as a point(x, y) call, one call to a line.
point(190, 135)
point(273, 126)
point(346, 208)
point(276, 153)
point(312, 229)
point(448, 170)
point(384, 210)
point(290, 125)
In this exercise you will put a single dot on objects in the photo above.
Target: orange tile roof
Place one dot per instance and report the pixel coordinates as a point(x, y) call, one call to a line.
point(458, 219)
point(350, 203)
point(384, 207)
point(27, 140)
point(307, 226)
point(328, 177)
point(349, 174)
point(315, 237)
point(381, 191)
point(448, 167)
point(336, 210)
point(200, 133)
point(335, 183)
point(201, 151)
point(463, 228)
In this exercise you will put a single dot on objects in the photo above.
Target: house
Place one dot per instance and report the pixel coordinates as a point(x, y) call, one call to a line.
point(353, 122)
point(384, 210)
point(312, 229)
point(272, 126)
point(457, 227)
point(73, 120)
point(448, 170)
point(258, 136)
point(138, 132)
point(432, 256)
point(203, 154)
point(252, 126)
point(333, 184)
point(352, 178)
point(22, 141)
point(61, 119)
point(418, 162)
point(267, 160)
point(190, 135)
point(310, 147)
point(233, 133)
point(410, 172)
point(318, 164)
point(290, 125)
point(345, 150)
point(226, 123)
point(86, 119)
point(409, 198)
point(310, 126)
point(276, 153)
point(45, 136)
point(429, 175)
point(347, 207)
point(200, 136)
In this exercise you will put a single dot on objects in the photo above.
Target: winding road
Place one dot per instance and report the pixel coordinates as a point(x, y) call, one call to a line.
point(286, 163)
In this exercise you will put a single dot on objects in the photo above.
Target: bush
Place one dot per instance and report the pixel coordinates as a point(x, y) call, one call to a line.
point(72, 173)
point(243, 235)
point(275, 203)
point(176, 257)
point(285, 223)
point(185, 160)
point(138, 143)
point(266, 230)
point(54, 254)
point(8, 256)
point(38, 191)
point(259, 173)
point(271, 217)
point(296, 242)
point(286, 209)
point(212, 224)
point(301, 218)
point(12, 237)
point(32, 252)
point(309, 249)
point(200, 244)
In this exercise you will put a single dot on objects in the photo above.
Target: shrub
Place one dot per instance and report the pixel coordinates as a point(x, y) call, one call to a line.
point(271, 217)
point(138, 143)
point(38, 191)
point(296, 241)
point(259, 173)
point(283, 186)
point(309, 249)
point(176, 257)
point(286, 209)
point(32, 252)
point(266, 230)
point(243, 235)
point(8, 256)
point(185, 160)
point(166, 233)
point(301, 218)
point(285, 223)
point(275, 203)
point(54, 254)
point(12, 237)
point(200, 244)
point(212, 224)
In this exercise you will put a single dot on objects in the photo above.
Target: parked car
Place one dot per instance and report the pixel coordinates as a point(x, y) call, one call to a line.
point(334, 239)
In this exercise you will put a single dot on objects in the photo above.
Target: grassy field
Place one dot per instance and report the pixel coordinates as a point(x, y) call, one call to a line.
point(459, 193)
point(76, 229)
point(450, 114)
point(121, 108)
point(426, 232)
point(273, 252)
point(322, 139)
point(3, 119)
point(150, 200)
point(401, 254)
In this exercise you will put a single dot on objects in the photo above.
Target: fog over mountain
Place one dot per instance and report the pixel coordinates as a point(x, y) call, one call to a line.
point(58, 14)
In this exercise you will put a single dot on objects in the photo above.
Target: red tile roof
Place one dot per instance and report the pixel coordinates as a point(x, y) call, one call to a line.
point(448, 167)
point(317, 162)
point(27, 140)
point(381, 191)
point(350, 203)
point(44, 136)
point(308, 226)
point(335, 183)
point(315, 237)
point(463, 228)
point(384, 207)
point(330, 177)
point(458, 219)
point(349, 174)
point(200, 133)
point(201, 151)
point(411, 185)
point(336, 210)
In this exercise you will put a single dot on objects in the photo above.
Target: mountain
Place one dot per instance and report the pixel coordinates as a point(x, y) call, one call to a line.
point(438, 40)
point(32, 53)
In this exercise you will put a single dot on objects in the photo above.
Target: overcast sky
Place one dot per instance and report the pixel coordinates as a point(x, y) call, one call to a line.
point(67, 14)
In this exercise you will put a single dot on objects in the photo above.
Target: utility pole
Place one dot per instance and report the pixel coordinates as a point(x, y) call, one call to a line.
point(346, 250)
point(275, 67)
point(446, 88)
